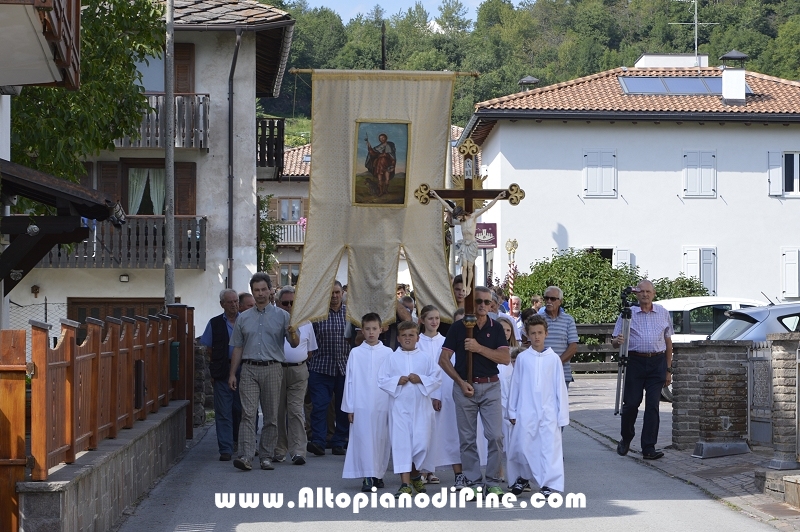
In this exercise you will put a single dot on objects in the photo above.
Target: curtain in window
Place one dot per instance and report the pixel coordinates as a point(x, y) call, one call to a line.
point(157, 189)
point(137, 181)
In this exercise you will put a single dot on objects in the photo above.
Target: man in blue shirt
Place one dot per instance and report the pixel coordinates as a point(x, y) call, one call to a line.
point(562, 333)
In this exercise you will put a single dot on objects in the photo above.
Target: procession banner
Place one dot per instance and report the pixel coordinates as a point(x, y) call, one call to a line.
point(376, 136)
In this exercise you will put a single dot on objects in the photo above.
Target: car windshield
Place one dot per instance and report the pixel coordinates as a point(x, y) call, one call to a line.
point(734, 327)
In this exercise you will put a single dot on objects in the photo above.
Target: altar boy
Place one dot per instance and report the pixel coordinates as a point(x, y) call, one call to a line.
point(537, 407)
point(367, 408)
point(409, 376)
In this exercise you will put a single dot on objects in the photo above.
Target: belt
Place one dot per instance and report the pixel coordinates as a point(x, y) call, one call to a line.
point(645, 355)
point(259, 362)
point(484, 380)
point(292, 364)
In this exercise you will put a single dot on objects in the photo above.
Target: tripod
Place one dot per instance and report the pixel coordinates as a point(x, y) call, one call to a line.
point(625, 314)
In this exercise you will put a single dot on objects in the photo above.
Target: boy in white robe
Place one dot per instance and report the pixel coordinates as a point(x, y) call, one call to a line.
point(367, 408)
point(537, 407)
point(409, 376)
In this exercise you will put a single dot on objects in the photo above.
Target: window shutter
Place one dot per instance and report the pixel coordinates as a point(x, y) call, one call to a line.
point(185, 189)
point(591, 164)
point(623, 257)
point(691, 165)
point(775, 173)
point(87, 179)
point(184, 67)
point(708, 269)
point(708, 181)
point(790, 273)
point(608, 172)
point(109, 181)
point(691, 262)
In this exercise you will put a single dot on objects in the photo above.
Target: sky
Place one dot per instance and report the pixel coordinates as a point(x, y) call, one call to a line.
point(348, 9)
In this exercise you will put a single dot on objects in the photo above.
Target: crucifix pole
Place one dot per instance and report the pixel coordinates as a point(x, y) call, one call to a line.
point(467, 216)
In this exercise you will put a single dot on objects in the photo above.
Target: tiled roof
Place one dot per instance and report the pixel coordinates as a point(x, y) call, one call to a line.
point(293, 161)
point(602, 92)
point(225, 12)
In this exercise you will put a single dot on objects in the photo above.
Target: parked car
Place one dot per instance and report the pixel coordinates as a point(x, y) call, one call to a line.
point(695, 318)
point(756, 323)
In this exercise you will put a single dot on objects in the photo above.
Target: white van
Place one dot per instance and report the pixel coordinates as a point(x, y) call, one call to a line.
point(695, 318)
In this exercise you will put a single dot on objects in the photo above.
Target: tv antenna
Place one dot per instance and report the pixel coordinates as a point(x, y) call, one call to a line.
point(696, 25)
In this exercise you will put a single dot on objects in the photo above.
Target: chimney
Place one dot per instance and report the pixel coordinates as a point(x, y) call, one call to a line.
point(527, 83)
point(733, 82)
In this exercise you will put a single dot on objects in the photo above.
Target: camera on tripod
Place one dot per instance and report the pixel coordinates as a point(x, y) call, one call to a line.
point(625, 316)
point(625, 297)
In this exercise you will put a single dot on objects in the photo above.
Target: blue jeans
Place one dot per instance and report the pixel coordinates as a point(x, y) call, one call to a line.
point(227, 415)
point(320, 388)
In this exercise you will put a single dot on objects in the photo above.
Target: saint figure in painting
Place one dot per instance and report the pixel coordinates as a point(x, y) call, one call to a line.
point(381, 161)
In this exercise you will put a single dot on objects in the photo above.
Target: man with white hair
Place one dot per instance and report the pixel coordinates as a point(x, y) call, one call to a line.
point(515, 312)
point(562, 334)
point(227, 405)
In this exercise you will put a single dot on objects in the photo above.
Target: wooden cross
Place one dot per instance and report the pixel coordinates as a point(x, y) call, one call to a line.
point(469, 195)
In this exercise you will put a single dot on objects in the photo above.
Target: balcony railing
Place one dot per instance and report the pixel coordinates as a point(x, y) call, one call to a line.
point(191, 123)
point(138, 244)
point(291, 234)
point(270, 143)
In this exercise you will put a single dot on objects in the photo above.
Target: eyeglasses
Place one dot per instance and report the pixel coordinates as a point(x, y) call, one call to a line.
point(483, 301)
point(287, 303)
point(549, 298)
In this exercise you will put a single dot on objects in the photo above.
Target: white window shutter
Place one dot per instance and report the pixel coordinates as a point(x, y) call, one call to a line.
point(790, 272)
point(592, 173)
point(623, 257)
point(708, 171)
point(775, 173)
point(708, 269)
point(608, 164)
point(691, 173)
point(691, 261)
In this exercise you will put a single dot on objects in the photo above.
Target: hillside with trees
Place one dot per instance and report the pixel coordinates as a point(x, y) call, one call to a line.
point(553, 40)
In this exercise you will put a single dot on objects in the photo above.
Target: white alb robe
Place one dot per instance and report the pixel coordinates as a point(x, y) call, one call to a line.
point(445, 447)
point(369, 447)
point(539, 403)
point(411, 415)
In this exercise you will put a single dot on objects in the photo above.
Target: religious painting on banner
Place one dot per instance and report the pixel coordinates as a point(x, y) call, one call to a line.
point(376, 136)
point(381, 163)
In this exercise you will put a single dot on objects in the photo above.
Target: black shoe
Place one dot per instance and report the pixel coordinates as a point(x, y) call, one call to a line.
point(224, 457)
point(623, 447)
point(377, 482)
point(339, 451)
point(546, 491)
point(298, 460)
point(519, 486)
point(315, 448)
point(652, 455)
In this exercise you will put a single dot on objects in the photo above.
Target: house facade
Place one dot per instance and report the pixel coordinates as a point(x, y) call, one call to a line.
point(676, 169)
point(219, 45)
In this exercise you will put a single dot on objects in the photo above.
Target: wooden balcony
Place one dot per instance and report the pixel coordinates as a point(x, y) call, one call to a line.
point(270, 144)
point(291, 234)
point(41, 42)
point(138, 244)
point(191, 123)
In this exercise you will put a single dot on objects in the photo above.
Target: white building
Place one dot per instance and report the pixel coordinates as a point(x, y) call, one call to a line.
point(674, 169)
point(120, 273)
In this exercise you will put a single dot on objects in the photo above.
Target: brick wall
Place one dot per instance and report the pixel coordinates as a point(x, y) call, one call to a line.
point(92, 493)
point(710, 393)
point(784, 392)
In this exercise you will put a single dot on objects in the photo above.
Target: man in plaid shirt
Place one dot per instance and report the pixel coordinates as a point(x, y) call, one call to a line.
point(326, 370)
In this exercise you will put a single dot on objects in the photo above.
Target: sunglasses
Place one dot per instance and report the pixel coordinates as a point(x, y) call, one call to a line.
point(548, 298)
point(287, 303)
point(483, 301)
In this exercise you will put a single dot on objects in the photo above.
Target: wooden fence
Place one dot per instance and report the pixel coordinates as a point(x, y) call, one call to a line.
point(12, 425)
point(603, 332)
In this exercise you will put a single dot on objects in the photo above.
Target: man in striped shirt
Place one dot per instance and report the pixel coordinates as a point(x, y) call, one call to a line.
point(562, 334)
point(649, 369)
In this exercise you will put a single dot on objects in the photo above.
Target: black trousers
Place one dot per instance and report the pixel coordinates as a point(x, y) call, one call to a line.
point(643, 375)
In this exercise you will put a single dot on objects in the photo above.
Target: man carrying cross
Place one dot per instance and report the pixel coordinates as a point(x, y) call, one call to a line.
point(467, 246)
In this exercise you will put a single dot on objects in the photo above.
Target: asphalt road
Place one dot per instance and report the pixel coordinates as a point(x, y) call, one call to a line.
point(621, 494)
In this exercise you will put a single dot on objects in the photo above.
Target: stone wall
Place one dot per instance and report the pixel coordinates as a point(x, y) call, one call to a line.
point(784, 393)
point(203, 391)
point(710, 397)
point(92, 493)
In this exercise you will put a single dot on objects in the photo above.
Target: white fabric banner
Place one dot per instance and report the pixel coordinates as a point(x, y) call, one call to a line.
point(376, 136)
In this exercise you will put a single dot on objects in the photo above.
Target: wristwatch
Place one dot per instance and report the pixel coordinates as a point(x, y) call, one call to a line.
point(669, 369)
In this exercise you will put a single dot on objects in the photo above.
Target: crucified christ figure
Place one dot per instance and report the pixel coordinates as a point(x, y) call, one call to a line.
point(467, 246)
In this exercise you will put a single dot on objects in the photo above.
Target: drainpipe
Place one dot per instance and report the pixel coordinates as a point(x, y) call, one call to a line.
point(229, 283)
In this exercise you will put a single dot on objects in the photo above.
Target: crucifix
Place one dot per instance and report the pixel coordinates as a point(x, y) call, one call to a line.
point(467, 217)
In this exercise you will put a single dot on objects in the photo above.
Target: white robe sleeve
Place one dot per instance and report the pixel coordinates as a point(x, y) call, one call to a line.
point(562, 397)
point(347, 396)
point(513, 393)
point(388, 376)
point(432, 381)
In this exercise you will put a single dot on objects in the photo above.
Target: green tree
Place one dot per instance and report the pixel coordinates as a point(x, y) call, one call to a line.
point(453, 17)
point(268, 235)
point(54, 129)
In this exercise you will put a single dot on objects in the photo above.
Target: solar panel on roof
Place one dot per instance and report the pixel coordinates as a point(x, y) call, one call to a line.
point(643, 85)
point(674, 85)
point(686, 86)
